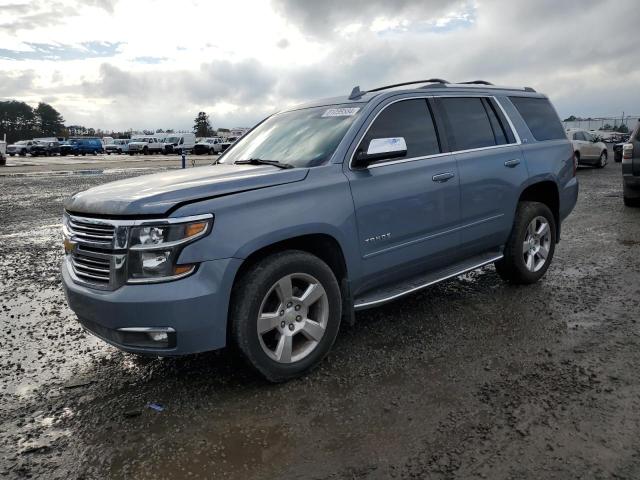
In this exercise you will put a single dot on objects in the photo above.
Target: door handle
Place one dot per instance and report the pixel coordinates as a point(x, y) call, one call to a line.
point(443, 177)
point(512, 163)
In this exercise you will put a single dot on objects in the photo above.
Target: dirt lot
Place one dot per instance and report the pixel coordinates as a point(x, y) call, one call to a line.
point(471, 378)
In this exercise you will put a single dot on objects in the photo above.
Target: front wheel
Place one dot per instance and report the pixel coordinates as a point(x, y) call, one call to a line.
point(602, 161)
point(285, 314)
point(529, 250)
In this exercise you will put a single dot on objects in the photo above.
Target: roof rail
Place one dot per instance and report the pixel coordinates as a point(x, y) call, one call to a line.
point(476, 82)
point(357, 93)
point(437, 83)
point(430, 80)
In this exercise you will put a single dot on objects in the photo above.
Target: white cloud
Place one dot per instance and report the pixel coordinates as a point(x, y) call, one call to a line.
point(167, 61)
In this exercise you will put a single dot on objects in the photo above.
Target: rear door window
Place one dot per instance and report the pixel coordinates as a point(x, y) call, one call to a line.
point(410, 119)
point(540, 117)
point(470, 124)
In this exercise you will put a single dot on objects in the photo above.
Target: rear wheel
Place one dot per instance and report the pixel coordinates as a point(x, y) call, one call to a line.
point(529, 250)
point(285, 314)
point(602, 161)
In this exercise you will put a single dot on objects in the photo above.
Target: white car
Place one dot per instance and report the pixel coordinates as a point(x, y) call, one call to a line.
point(208, 145)
point(119, 145)
point(146, 145)
point(587, 149)
point(20, 148)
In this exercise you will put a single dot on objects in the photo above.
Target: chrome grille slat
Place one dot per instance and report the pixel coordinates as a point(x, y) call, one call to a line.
point(93, 270)
point(94, 231)
point(91, 261)
point(92, 278)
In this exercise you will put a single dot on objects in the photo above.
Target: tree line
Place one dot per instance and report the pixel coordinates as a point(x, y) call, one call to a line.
point(20, 121)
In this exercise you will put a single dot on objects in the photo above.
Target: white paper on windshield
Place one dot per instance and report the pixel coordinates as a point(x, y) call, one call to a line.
point(341, 112)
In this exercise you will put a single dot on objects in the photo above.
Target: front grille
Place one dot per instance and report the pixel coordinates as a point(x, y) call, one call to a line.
point(92, 267)
point(92, 232)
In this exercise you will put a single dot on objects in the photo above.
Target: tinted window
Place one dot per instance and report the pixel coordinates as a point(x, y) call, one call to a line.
point(496, 124)
point(410, 119)
point(469, 123)
point(540, 117)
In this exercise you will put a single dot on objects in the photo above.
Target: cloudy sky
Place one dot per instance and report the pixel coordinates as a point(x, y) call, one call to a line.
point(154, 64)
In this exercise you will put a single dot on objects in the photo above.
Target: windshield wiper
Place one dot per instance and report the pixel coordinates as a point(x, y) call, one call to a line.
point(260, 161)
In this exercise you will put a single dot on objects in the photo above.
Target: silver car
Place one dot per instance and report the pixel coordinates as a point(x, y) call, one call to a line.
point(587, 149)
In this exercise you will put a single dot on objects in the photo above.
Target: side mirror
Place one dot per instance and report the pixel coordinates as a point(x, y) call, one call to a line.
point(380, 149)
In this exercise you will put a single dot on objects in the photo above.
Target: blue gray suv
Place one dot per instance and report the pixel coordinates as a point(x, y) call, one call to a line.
point(334, 206)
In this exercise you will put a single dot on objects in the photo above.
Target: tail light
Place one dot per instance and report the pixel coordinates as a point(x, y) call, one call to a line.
point(627, 152)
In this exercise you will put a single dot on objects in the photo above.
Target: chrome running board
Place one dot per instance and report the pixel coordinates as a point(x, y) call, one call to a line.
point(386, 294)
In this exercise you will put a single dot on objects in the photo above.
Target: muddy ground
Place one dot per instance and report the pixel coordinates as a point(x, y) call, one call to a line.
point(471, 378)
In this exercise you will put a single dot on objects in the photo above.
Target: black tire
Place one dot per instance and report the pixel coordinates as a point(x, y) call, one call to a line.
point(23, 153)
point(247, 296)
point(512, 266)
point(119, 151)
point(11, 154)
point(602, 160)
point(145, 151)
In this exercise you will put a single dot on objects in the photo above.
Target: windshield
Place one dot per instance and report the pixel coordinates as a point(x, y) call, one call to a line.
point(137, 139)
point(172, 139)
point(21, 142)
point(302, 138)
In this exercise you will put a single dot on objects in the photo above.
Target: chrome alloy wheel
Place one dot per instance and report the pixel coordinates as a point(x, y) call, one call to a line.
point(293, 318)
point(537, 243)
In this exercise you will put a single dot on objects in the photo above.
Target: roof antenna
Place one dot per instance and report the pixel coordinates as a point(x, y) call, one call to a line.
point(356, 93)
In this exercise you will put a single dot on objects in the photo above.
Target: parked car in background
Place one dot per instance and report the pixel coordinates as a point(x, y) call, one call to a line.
point(587, 149)
point(81, 146)
point(227, 143)
point(208, 145)
point(118, 145)
point(20, 148)
point(145, 145)
point(319, 211)
point(45, 148)
point(631, 169)
point(178, 143)
point(3, 152)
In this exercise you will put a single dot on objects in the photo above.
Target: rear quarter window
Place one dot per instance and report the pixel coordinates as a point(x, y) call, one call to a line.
point(540, 117)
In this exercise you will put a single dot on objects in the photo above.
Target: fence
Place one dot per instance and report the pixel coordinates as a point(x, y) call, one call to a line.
point(630, 121)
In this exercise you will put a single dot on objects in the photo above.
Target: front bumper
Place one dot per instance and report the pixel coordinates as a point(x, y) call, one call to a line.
point(195, 308)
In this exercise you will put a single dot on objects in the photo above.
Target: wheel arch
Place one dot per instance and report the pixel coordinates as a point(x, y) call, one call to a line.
point(544, 191)
point(322, 245)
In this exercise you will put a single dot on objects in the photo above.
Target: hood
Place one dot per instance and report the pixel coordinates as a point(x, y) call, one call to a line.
point(158, 193)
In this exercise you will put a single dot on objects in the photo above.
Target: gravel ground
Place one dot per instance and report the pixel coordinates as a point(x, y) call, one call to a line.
point(471, 378)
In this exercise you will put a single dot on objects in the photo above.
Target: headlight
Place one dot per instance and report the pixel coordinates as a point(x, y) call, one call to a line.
point(154, 250)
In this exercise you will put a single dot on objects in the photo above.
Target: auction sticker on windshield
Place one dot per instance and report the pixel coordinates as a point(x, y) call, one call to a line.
point(341, 112)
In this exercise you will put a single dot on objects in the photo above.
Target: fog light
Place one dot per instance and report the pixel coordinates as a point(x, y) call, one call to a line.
point(147, 337)
point(158, 336)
